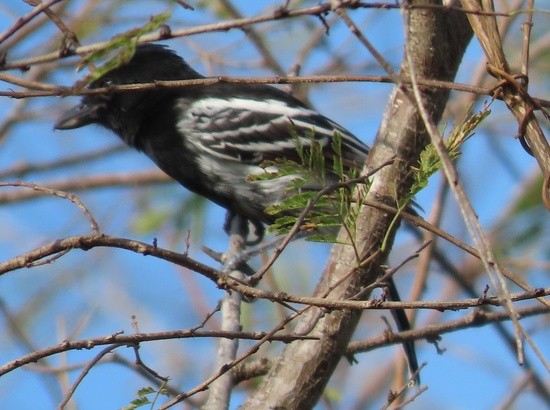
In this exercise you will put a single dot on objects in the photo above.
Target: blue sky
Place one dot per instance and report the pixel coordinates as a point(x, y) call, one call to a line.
point(95, 293)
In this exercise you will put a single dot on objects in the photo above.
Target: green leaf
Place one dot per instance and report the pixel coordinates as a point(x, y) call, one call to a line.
point(125, 46)
point(338, 163)
point(142, 398)
point(430, 162)
point(136, 403)
point(330, 210)
point(145, 391)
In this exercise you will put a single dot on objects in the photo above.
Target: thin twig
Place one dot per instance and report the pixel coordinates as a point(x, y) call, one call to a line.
point(40, 8)
point(61, 194)
point(317, 10)
point(84, 372)
point(220, 389)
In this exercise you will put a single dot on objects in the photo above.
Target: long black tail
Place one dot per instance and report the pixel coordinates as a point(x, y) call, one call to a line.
point(403, 324)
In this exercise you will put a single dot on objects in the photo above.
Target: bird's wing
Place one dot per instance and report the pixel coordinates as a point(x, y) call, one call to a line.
point(254, 130)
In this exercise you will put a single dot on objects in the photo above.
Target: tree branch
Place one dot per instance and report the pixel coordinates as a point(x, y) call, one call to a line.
point(301, 373)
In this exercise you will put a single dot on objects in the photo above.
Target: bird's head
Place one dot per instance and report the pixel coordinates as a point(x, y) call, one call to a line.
point(121, 111)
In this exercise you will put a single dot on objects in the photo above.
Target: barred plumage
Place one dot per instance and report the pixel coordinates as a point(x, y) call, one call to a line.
point(211, 138)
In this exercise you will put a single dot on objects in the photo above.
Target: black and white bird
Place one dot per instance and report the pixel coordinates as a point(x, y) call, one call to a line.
point(209, 138)
point(212, 138)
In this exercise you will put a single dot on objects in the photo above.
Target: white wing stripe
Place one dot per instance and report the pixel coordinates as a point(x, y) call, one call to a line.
point(276, 107)
point(227, 128)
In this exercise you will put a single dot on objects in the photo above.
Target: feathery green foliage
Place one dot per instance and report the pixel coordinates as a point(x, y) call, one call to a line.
point(125, 44)
point(330, 209)
point(338, 206)
point(430, 162)
point(143, 399)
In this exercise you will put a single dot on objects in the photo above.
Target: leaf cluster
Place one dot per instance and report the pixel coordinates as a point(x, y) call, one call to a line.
point(430, 162)
point(320, 182)
point(143, 399)
point(125, 44)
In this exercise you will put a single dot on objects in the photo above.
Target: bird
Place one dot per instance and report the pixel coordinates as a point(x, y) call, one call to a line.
point(212, 137)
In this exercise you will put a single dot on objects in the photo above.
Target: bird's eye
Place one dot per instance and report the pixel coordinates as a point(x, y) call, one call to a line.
point(105, 82)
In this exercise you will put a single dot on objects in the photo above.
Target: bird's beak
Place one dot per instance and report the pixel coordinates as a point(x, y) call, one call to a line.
point(83, 114)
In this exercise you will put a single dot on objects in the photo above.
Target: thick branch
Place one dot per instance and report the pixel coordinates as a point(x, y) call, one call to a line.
point(299, 377)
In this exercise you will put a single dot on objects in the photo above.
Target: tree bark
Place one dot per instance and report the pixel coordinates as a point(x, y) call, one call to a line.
point(437, 40)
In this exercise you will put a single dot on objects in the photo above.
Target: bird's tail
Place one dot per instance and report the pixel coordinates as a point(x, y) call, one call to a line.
point(403, 324)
